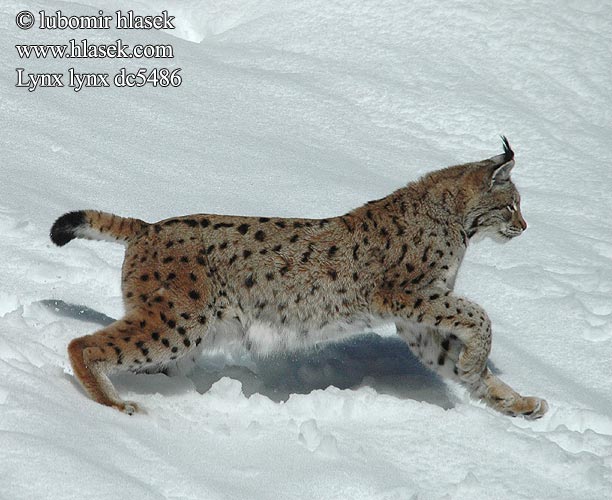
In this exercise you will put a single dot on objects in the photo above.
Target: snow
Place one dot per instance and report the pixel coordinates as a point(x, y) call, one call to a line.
point(310, 109)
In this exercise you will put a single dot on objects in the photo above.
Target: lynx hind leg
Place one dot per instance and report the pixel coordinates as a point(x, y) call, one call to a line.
point(441, 353)
point(131, 344)
point(92, 359)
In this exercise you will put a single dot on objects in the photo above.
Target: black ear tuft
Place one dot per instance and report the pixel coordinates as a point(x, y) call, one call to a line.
point(63, 228)
point(508, 153)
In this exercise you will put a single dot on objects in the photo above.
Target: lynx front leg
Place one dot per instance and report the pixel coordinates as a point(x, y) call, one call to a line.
point(440, 353)
point(444, 312)
point(437, 351)
point(504, 399)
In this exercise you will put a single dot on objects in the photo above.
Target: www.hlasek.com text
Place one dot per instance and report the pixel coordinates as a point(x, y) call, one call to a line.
point(83, 49)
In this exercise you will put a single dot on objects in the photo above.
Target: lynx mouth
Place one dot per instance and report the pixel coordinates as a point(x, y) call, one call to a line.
point(510, 233)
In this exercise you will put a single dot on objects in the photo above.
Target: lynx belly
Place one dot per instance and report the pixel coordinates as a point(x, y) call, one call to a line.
point(265, 337)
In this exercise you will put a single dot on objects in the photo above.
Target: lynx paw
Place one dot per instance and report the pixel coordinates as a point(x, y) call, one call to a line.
point(530, 408)
point(128, 407)
point(539, 408)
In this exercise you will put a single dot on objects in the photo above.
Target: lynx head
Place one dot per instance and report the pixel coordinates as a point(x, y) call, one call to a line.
point(493, 209)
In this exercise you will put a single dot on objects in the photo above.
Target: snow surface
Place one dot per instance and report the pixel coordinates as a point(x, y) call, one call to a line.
point(310, 109)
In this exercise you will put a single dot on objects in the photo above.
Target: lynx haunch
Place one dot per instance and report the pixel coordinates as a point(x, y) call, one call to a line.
point(276, 284)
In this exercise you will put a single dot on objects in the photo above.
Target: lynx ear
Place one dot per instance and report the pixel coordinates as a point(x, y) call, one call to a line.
point(503, 164)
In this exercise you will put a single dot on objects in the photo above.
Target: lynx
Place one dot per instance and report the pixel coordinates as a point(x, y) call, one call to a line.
point(278, 284)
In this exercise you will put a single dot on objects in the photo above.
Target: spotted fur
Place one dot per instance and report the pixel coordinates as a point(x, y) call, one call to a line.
point(275, 284)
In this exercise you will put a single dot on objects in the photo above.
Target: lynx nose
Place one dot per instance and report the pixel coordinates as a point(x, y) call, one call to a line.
point(519, 221)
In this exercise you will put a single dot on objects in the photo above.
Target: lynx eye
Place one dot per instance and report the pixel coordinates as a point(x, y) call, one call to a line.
point(511, 208)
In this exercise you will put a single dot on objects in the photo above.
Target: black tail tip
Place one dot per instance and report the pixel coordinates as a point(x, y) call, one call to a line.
point(63, 228)
point(509, 154)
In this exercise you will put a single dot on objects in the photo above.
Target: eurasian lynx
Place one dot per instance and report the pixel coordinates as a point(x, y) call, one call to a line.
point(283, 284)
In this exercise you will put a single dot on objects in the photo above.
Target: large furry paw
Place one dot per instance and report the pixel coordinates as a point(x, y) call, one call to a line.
point(538, 408)
point(128, 407)
point(530, 408)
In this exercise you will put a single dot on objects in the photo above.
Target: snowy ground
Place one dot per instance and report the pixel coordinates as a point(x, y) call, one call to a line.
point(309, 109)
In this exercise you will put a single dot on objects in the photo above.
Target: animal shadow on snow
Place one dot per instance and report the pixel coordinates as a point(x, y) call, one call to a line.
point(382, 363)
